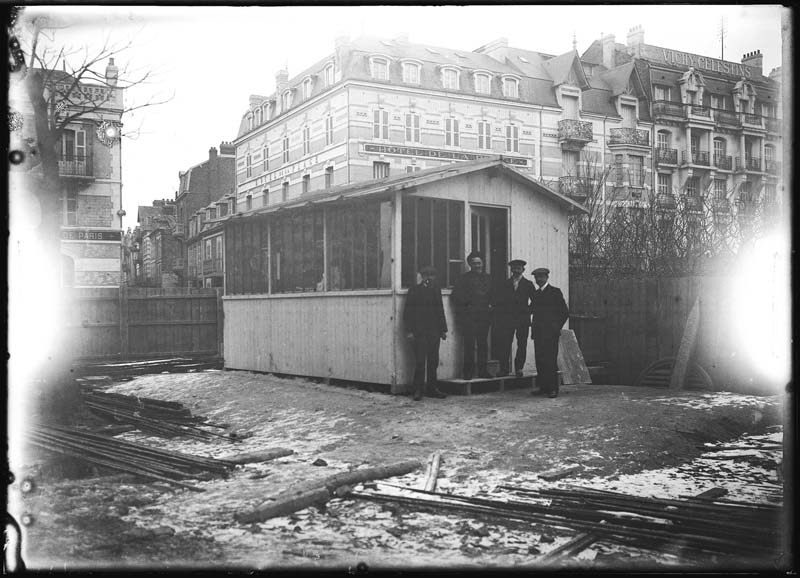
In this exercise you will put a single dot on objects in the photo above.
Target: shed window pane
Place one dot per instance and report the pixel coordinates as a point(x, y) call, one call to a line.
point(297, 253)
point(433, 233)
point(359, 241)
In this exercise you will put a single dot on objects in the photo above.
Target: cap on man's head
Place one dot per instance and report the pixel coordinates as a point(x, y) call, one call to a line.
point(541, 271)
point(517, 263)
point(473, 255)
point(427, 270)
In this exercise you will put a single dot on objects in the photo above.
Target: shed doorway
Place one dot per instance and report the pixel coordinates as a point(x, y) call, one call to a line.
point(490, 237)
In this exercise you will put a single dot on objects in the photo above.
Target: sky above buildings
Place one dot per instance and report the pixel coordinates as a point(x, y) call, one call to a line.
point(208, 60)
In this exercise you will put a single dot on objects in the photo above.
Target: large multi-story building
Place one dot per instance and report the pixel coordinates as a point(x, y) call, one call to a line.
point(716, 129)
point(90, 171)
point(200, 186)
point(659, 119)
point(378, 107)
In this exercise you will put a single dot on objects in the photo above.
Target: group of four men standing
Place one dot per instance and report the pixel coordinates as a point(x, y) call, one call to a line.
point(513, 307)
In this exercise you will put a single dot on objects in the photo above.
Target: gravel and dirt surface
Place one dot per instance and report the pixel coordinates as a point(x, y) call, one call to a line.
point(642, 441)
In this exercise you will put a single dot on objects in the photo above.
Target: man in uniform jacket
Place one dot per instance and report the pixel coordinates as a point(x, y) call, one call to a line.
point(472, 296)
point(550, 312)
point(512, 316)
point(425, 324)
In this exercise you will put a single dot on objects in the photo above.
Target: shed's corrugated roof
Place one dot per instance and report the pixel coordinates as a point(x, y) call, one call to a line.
point(405, 183)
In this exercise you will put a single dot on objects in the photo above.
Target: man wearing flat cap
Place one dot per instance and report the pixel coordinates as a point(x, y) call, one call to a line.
point(426, 325)
point(550, 312)
point(473, 297)
point(512, 317)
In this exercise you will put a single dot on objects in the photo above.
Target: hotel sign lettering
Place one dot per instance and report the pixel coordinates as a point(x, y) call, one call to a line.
point(704, 63)
point(89, 235)
point(436, 154)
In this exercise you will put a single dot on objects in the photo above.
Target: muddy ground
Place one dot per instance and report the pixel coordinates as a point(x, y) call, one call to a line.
point(614, 433)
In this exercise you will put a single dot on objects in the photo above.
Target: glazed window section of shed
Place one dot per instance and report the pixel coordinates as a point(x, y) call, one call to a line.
point(246, 260)
point(359, 247)
point(432, 234)
point(297, 253)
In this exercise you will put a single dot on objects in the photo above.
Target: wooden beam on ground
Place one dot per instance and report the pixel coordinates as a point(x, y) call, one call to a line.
point(260, 456)
point(570, 360)
point(322, 491)
point(433, 471)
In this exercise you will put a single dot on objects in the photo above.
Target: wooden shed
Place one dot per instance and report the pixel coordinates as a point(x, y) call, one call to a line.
point(315, 286)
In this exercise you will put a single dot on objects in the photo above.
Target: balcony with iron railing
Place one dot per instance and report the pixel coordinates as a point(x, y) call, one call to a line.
point(75, 165)
point(628, 136)
point(698, 111)
point(750, 164)
point(664, 109)
point(178, 230)
point(574, 133)
point(727, 118)
point(575, 187)
point(724, 162)
point(752, 120)
point(693, 202)
point(699, 158)
point(666, 156)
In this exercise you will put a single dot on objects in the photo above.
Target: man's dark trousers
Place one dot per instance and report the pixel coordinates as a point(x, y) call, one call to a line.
point(545, 346)
point(426, 354)
point(475, 331)
point(506, 335)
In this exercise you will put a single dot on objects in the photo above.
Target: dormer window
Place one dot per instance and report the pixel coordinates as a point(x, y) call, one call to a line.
point(379, 68)
point(250, 121)
point(258, 116)
point(286, 100)
point(411, 72)
point(483, 83)
point(450, 78)
point(266, 112)
point(510, 87)
point(307, 89)
point(328, 75)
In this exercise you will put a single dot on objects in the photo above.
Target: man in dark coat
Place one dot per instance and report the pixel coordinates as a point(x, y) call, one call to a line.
point(550, 312)
point(425, 323)
point(472, 296)
point(512, 316)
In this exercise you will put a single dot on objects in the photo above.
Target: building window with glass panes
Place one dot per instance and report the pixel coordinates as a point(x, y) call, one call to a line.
point(306, 183)
point(451, 133)
point(380, 124)
point(379, 68)
point(664, 184)
point(380, 170)
point(512, 138)
point(411, 72)
point(306, 140)
point(328, 130)
point(328, 177)
point(286, 149)
point(412, 127)
point(720, 189)
point(450, 78)
point(484, 135)
point(482, 83)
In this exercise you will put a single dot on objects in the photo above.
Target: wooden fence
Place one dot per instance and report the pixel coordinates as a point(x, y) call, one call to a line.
point(134, 322)
point(634, 322)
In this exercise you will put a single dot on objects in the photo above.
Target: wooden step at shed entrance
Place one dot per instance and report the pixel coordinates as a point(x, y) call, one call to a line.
point(484, 384)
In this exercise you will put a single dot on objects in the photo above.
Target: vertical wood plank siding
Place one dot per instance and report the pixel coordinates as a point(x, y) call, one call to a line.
point(642, 320)
point(141, 322)
point(360, 336)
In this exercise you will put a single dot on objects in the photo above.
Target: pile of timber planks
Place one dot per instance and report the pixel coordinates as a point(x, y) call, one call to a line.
point(172, 365)
point(128, 457)
point(665, 525)
point(162, 418)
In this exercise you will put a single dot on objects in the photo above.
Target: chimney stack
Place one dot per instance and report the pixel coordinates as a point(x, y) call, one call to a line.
point(636, 41)
point(212, 153)
point(608, 50)
point(281, 81)
point(226, 148)
point(112, 73)
point(754, 61)
point(497, 49)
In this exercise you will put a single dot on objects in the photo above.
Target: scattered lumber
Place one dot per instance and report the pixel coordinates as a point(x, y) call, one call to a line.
point(558, 473)
point(433, 471)
point(321, 491)
point(575, 546)
point(157, 417)
point(127, 368)
point(711, 494)
point(128, 457)
point(257, 457)
point(657, 524)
